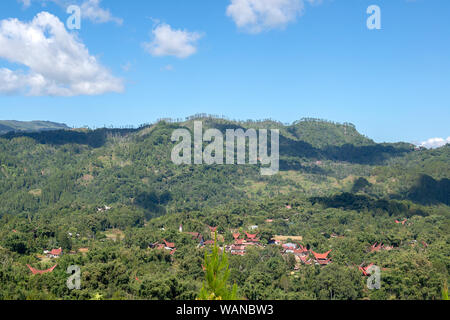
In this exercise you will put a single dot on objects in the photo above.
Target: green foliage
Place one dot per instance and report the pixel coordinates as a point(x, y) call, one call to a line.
point(445, 293)
point(345, 193)
point(217, 272)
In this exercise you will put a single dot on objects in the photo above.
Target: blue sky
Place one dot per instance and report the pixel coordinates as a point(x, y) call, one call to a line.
point(317, 61)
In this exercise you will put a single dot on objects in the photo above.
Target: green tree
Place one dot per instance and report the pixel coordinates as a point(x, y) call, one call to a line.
point(216, 276)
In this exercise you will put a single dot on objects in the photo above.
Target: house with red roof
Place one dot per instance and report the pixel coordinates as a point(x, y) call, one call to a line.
point(208, 242)
point(237, 249)
point(240, 245)
point(365, 270)
point(401, 222)
point(321, 258)
point(54, 253)
point(169, 245)
point(36, 271)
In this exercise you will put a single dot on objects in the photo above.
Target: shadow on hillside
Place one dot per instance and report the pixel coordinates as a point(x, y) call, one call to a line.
point(95, 139)
point(153, 203)
point(429, 191)
point(287, 164)
point(359, 202)
point(372, 154)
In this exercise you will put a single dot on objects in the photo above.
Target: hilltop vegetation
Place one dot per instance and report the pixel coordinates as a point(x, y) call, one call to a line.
point(343, 191)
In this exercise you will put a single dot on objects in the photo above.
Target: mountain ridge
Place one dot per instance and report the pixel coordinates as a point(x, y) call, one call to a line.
point(29, 126)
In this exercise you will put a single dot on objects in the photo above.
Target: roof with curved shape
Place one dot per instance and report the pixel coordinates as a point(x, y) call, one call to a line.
point(251, 236)
point(321, 256)
point(36, 271)
point(169, 244)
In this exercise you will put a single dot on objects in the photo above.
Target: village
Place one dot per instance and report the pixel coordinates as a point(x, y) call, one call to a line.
point(242, 241)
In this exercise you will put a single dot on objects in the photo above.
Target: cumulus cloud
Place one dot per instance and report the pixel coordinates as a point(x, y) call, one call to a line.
point(90, 9)
point(171, 42)
point(255, 16)
point(435, 143)
point(55, 62)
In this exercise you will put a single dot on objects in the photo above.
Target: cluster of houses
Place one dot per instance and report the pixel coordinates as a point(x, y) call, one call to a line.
point(288, 244)
point(240, 244)
point(57, 253)
point(302, 254)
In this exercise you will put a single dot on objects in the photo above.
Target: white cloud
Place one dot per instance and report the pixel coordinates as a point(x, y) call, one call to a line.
point(255, 16)
point(90, 9)
point(258, 15)
point(170, 42)
point(56, 62)
point(435, 143)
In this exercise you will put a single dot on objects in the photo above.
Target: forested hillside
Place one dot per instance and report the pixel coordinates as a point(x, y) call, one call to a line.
point(9, 125)
point(110, 197)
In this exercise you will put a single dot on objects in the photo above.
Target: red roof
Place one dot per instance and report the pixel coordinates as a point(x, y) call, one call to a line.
point(365, 269)
point(251, 236)
point(239, 241)
point(236, 235)
point(169, 244)
point(207, 242)
point(56, 252)
point(301, 247)
point(195, 235)
point(376, 247)
point(36, 271)
point(301, 250)
point(213, 229)
point(173, 251)
point(320, 256)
